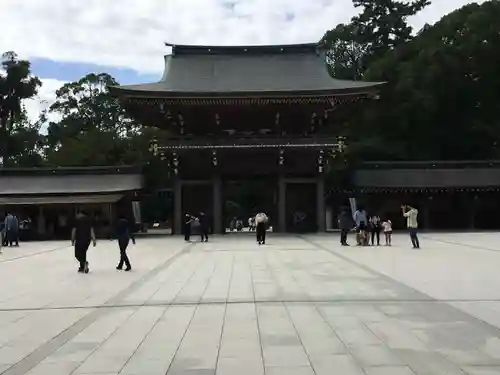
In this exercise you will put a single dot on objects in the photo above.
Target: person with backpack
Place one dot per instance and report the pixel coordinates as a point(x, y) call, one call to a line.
point(261, 220)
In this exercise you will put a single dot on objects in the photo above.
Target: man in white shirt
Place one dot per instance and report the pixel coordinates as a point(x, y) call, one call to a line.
point(411, 215)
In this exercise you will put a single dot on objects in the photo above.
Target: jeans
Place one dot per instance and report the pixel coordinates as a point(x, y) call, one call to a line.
point(414, 237)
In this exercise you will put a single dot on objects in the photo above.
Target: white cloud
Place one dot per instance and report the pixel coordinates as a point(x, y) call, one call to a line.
point(46, 96)
point(130, 33)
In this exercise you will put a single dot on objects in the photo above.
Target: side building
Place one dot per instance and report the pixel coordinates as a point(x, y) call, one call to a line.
point(46, 200)
point(450, 195)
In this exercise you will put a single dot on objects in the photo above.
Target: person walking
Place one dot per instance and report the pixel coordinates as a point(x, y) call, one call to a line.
point(188, 219)
point(82, 235)
point(124, 234)
point(411, 215)
point(346, 223)
point(261, 220)
point(375, 228)
point(203, 220)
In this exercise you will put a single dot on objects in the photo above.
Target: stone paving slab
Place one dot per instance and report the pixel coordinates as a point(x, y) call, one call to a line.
point(299, 305)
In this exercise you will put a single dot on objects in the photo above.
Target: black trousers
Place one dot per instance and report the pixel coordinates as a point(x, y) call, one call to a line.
point(261, 232)
point(123, 244)
point(375, 232)
point(204, 233)
point(81, 248)
point(187, 233)
point(343, 236)
point(11, 238)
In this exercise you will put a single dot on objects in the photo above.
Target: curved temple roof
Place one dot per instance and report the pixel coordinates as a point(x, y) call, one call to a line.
point(218, 71)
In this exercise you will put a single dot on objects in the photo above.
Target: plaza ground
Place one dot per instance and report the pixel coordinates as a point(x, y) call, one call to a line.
point(300, 305)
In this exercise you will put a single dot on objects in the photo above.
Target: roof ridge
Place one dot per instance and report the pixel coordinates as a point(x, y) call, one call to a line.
point(185, 49)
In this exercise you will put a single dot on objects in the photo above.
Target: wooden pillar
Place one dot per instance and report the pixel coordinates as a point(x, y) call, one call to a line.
point(281, 204)
point(177, 228)
point(320, 204)
point(217, 205)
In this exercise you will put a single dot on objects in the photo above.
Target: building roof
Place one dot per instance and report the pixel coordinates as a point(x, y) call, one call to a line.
point(475, 177)
point(73, 184)
point(246, 71)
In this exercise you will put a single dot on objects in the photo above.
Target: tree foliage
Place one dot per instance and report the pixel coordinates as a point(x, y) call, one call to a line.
point(381, 26)
point(92, 128)
point(441, 100)
point(344, 54)
point(16, 84)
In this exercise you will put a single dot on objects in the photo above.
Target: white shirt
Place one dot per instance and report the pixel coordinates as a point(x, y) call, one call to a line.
point(411, 218)
point(387, 225)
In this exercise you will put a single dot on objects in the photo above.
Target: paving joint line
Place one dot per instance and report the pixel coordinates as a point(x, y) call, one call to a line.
point(461, 244)
point(34, 254)
point(427, 298)
point(45, 350)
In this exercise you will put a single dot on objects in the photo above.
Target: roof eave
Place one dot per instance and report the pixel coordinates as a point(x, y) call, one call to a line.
point(182, 95)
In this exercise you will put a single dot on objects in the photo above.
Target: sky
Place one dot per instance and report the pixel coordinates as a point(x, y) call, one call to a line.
point(66, 39)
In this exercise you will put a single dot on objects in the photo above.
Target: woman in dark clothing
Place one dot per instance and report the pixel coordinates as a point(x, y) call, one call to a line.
point(346, 223)
point(124, 235)
point(203, 227)
point(375, 228)
point(188, 219)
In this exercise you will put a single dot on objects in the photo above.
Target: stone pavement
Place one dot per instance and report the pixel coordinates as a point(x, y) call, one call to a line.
point(298, 306)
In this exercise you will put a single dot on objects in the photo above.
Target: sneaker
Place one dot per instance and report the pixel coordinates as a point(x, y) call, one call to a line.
point(128, 269)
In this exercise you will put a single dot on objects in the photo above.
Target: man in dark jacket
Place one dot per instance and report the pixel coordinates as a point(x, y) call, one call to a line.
point(124, 234)
point(346, 223)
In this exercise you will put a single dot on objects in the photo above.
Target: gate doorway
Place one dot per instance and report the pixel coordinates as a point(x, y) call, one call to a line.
point(301, 207)
point(243, 199)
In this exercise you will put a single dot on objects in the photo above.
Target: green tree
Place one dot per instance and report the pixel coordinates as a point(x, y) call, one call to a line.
point(383, 25)
point(344, 53)
point(93, 129)
point(16, 84)
point(26, 143)
point(441, 100)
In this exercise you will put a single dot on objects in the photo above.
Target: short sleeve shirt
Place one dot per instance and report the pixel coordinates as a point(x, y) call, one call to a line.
point(83, 227)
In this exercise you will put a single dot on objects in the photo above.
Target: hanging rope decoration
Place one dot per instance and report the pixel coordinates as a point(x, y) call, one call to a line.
point(321, 161)
point(281, 160)
point(175, 163)
point(214, 159)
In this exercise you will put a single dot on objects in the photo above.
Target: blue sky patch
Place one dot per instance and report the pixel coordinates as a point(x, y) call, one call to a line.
point(70, 71)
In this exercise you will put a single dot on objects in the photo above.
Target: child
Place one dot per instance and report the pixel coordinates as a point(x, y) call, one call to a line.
point(387, 225)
